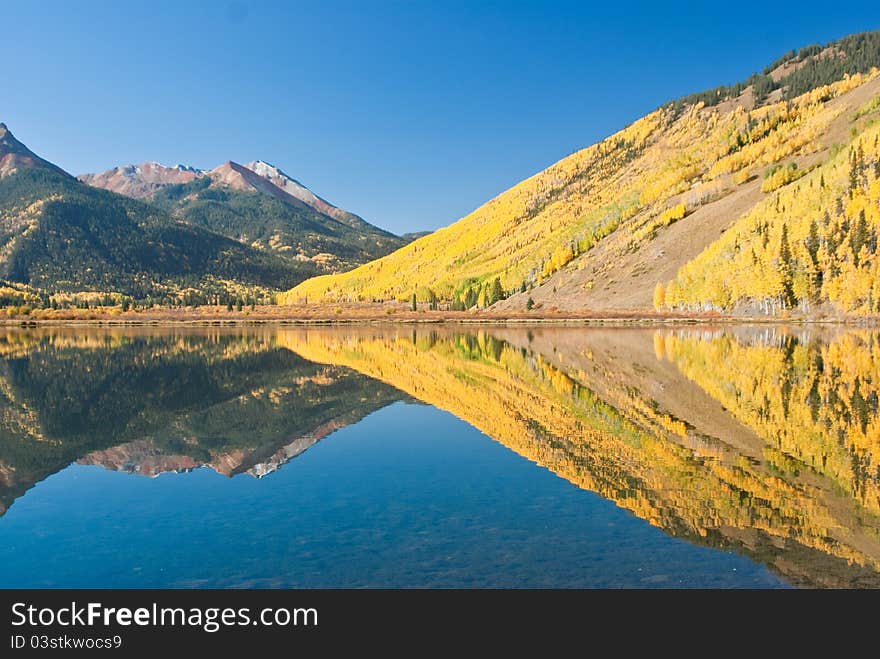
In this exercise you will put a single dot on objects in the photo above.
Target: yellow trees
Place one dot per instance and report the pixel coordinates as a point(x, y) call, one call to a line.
point(670, 215)
point(561, 256)
point(623, 191)
point(659, 296)
point(741, 176)
point(780, 175)
point(814, 240)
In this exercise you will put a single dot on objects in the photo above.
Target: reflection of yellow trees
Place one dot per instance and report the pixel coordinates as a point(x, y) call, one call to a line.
point(621, 445)
point(816, 404)
point(628, 186)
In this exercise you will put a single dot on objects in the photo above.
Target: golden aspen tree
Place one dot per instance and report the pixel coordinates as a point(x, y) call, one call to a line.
point(659, 296)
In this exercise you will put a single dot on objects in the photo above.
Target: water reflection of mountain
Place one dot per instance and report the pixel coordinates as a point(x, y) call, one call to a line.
point(763, 441)
point(148, 403)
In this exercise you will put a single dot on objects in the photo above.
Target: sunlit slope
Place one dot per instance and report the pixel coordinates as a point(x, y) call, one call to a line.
point(624, 446)
point(600, 228)
point(511, 234)
point(809, 245)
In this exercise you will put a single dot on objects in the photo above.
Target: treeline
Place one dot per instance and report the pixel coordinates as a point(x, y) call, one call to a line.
point(476, 294)
point(24, 301)
point(470, 294)
point(816, 66)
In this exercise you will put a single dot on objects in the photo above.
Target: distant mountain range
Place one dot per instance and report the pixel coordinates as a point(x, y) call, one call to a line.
point(150, 231)
point(256, 204)
point(761, 197)
point(141, 181)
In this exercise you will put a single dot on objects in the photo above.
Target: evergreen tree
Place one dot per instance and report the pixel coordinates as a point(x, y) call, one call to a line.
point(812, 242)
point(470, 298)
point(854, 173)
point(859, 236)
point(786, 269)
point(497, 292)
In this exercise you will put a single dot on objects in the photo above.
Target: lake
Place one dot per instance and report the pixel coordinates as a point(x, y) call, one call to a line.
point(466, 456)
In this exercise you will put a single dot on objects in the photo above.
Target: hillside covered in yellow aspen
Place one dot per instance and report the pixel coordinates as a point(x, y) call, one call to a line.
point(763, 196)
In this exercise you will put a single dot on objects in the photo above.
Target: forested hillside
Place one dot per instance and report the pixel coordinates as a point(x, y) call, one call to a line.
point(624, 224)
point(258, 205)
point(285, 227)
point(58, 235)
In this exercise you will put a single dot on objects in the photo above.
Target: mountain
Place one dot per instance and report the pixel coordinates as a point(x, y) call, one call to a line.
point(238, 203)
point(256, 204)
point(758, 197)
point(58, 234)
point(297, 190)
point(141, 181)
point(15, 156)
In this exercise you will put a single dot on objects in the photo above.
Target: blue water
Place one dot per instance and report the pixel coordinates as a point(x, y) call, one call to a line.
point(408, 497)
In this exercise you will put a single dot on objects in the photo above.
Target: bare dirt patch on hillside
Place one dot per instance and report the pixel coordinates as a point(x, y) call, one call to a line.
point(602, 280)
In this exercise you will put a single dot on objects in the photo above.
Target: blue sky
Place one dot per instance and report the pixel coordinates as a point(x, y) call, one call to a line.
point(410, 114)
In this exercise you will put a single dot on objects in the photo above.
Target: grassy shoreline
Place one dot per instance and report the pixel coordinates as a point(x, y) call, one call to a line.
point(393, 314)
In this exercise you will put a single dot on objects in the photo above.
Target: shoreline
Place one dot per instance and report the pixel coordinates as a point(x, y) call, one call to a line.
point(385, 315)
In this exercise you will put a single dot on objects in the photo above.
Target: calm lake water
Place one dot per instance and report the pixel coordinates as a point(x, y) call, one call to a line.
point(445, 457)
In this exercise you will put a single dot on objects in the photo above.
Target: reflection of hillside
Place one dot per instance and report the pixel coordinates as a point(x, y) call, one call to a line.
point(815, 403)
point(598, 408)
point(149, 403)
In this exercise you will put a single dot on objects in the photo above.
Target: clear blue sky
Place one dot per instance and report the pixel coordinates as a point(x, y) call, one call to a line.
point(410, 114)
